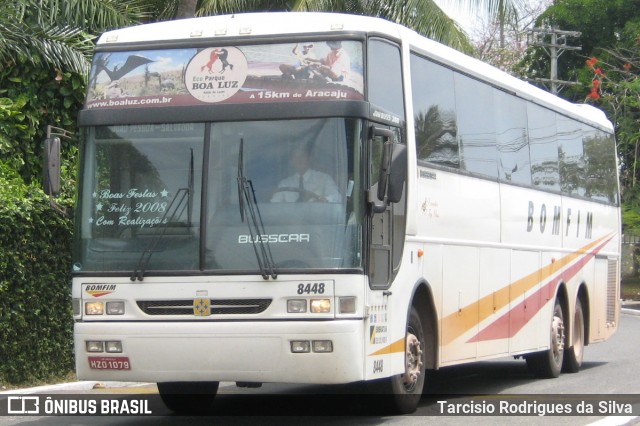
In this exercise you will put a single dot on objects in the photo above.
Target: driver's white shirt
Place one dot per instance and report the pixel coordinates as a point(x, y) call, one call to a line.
point(314, 181)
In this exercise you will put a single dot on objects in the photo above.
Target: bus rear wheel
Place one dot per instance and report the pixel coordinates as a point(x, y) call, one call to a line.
point(188, 397)
point(573, 355)
point(548, 364)
point(406, 389)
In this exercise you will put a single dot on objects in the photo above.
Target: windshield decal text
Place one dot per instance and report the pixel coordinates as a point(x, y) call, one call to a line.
point(134, 208)
point(275, 238)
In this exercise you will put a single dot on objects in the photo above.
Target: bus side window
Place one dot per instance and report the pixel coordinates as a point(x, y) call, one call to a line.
point(434, 113)
point(385, 76)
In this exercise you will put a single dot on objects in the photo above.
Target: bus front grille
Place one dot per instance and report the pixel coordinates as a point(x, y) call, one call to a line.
point(217, 306)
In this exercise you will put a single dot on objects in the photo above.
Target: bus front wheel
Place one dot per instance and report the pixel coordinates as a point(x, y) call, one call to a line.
point(406, 389)
point(188, 397)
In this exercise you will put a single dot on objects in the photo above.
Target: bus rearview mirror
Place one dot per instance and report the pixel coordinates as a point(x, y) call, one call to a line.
point(392, 169)
point(51, 166)
point(397, 172)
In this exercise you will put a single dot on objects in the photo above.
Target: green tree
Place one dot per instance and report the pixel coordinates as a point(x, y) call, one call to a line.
point(502, 41)
point(424, 16)
point(607, 71)
point(602, 23)
point(60, 33)
point(44, 55)
point(611, 81)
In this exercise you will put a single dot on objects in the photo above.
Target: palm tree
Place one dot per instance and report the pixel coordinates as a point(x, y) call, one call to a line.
point(424, 16)
point(60, 34)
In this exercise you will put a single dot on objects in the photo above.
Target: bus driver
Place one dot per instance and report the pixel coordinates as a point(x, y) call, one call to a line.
point(305, 184)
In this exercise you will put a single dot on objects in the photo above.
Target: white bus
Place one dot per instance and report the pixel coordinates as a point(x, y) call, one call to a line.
point(326, 199)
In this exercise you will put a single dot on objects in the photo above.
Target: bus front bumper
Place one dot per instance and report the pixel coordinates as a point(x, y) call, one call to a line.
point(221, 351)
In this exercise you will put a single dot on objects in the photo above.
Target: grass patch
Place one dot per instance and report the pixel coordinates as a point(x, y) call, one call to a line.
point(630, 288)
point(66, 378)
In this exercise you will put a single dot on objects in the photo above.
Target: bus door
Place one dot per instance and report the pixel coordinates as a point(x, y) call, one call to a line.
point(386, 219)
point(386, 240)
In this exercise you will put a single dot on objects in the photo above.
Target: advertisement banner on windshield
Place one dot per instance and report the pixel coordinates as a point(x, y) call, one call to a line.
point(292, 72)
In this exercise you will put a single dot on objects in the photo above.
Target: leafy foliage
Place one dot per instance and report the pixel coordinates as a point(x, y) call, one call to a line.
point(59, 34)
point(35, 307)
point(30, 99)
point(607, 71)
point(602, 24)
point(35, 239)
point(611, 82)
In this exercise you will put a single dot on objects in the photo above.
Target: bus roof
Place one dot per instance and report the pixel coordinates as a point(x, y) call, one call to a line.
point(249, 25)
point(278, 23)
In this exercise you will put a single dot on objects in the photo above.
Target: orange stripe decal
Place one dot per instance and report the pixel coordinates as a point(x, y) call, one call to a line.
point(460, 322)
point(397, 346)
point(512, 321)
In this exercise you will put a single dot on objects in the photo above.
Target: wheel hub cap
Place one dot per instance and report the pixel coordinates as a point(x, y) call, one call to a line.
point(557, 337)
point(414, 360)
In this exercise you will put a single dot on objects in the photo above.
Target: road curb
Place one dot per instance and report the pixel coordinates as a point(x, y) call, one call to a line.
point(630, 311)
point(631, 307)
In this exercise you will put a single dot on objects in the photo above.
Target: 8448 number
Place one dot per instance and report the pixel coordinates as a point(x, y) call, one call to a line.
point(311, 288)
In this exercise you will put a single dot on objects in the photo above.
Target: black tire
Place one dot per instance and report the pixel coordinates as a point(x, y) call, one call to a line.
point(548, 364)
point(573, 355)
point(188, 397)
point(405, 390)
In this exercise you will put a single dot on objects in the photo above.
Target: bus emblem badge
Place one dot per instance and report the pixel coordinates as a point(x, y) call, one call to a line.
point(201, 307)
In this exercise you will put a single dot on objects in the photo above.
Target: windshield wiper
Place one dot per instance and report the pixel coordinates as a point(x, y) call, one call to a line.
point(177, 205)
point(249, 210)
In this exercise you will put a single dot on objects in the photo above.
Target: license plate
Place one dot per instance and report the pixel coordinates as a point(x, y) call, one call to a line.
point(109, 363)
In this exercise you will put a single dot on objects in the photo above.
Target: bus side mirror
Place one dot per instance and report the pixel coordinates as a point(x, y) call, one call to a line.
point(51, 166)
point(392, 170)
point(397, 172)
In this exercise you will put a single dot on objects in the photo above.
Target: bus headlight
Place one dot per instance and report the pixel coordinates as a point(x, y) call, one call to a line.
point(300, 346)
point(94, 346)
point(94, 308)
point(322, 346)
point(317, 346)
point(296, 306)
point(113, 346)
point(115, 308)
point(347, 305)
point(320, 306)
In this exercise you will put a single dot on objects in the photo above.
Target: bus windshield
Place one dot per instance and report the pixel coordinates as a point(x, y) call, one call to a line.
point(221, 197)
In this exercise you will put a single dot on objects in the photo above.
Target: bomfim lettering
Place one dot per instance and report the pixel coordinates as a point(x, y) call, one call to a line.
point(573, 219)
